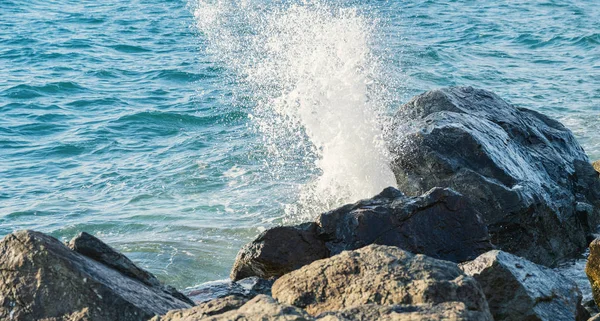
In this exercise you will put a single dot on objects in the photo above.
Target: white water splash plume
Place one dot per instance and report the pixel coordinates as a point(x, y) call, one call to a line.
point(312, 75)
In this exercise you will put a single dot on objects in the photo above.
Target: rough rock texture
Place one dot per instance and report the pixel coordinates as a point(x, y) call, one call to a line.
point(517, 289)
point(41, 278)
point(206, 309)
point(592, 269)
point(525, 172)
point(447, 311)
point(382, 275)
point(278, 251)
point(439, 224)
point(95, 249)
point(596, 165)
point(246, 288)
point(263, 308)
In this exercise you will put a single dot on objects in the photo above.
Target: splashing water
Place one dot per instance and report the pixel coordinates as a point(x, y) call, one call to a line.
point(312, 75)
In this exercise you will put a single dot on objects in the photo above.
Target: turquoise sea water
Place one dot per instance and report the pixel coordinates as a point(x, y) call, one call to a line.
point(127, 120)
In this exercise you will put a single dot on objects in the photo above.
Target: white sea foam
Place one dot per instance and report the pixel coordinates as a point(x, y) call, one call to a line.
point(313, 77)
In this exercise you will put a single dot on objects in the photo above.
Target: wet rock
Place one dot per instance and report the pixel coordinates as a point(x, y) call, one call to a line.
point(97, 250)
point(439, 224)
point(204, 310)
point(380, 275)
point(524, 172)
point(456, 311)
point(517, 289)
point(41, 278)
point(278, 251)
point(246, 288)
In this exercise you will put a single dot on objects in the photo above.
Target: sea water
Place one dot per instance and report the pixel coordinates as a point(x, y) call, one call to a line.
point(176, 130)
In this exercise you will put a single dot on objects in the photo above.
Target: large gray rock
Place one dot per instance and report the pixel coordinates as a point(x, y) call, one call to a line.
point(439, 224)
point(525, 172)
point(41, 278)
point(517, 289)
point(97, 250)
point(380, 275)
point(278, 251)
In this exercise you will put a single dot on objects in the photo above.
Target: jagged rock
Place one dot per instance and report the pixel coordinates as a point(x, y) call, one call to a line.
point(247, 288)
point(42, 279)
point(204, 310)
point(95, 249)
point(381, 275)
point(524, 172)
point(439, 224)
point(517, 289)
point(278, 251)
point(447, 311)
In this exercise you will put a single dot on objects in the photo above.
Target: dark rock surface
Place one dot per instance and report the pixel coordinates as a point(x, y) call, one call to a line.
point(381, 275)
point(439, 224)
point(246, 288)
point(278, 251)
point(41, 278)
point(517, 289)
point(525, 172)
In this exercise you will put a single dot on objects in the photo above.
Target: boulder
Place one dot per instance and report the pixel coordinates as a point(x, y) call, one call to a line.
point(517, 289)
point(278, 251)
point(41, 278)
point(455, 311)
point(596, 165)
point(380, 275)
point(524, 172)
point(439, 224)
point(97, 250)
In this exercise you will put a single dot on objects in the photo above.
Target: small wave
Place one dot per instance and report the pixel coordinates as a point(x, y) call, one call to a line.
point(129, 49)
point(23, 91)
point(155, 117)
point(179, 76)
point(96, 102)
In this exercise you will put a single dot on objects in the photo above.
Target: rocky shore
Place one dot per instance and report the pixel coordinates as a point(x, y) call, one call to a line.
point(490, 197)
